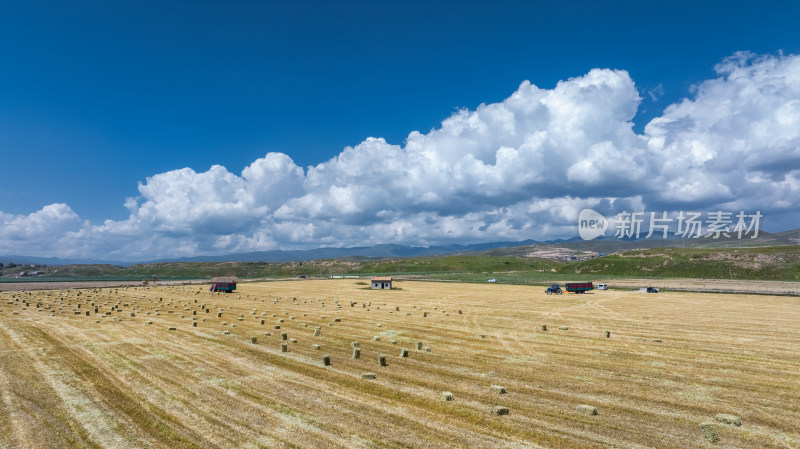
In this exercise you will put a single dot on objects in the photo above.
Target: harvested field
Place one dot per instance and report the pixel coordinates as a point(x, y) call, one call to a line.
point(714, 285)
point(64, 285)
point(83, 368)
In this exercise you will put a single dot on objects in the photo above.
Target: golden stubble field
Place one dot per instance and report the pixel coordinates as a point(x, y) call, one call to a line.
point(120, 376)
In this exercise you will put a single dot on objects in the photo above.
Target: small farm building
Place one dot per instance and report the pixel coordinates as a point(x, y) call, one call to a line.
point(382, 283)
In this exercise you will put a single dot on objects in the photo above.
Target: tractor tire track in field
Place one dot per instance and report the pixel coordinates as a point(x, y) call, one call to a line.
point(60, 409)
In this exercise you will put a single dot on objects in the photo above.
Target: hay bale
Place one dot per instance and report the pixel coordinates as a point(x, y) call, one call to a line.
point(419, 345)
point(172, 328)
point(608, 334)
point(498, 410)
point(226, 332)
point(317, 331)
point(284, 336)
point(499, 389)
point(326, 360)
point(382, 360)
point(376, 338)
point(254, 340)
point(369, 376)
point(356, 353)
point(355, 344)
point(544, 327)
point(563, 328)
point(404, 352)
point(316, 346)
point(219, 314)
point(459, 311)
point(731, 420)
point(424, 314)
point(393, 342)
point(586, 409)
point(194, 323)
point(276, 327)
point(284, 347)
point(709, 430)
point(448, 396)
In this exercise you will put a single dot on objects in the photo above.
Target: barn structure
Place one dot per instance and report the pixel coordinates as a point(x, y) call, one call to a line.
point(382, 283)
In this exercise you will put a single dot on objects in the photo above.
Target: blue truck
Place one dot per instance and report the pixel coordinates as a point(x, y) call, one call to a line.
point(554, 289)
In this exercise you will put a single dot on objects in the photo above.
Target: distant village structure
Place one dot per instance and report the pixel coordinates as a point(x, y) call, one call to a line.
point(380, 283)
point(18, 270)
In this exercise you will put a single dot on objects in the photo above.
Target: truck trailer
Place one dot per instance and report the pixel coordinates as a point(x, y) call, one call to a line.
point(579, 287)
point(226, 285)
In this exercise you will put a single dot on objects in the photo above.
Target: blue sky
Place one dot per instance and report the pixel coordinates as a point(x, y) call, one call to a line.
point(111, 113)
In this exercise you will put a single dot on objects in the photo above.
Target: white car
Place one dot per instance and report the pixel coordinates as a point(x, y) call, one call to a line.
point(492, 280)
point(602, 286)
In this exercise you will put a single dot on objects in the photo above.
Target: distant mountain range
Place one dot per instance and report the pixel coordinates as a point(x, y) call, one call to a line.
point(34, 260)
point(281, 256)
point(601, 245)
point(610, 244)
point(362, 252)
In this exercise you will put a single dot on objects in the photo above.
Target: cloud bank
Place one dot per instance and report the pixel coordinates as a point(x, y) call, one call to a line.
point(518, 169)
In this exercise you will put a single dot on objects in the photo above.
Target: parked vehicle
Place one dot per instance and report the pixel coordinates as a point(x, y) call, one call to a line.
point(579, 287)
point(602, 286)
point(226, 285)
point(553, 289)
point(492, 280)
point(652, 290)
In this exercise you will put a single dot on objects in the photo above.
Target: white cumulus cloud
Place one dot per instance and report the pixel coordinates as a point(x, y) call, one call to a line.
point(517, 169)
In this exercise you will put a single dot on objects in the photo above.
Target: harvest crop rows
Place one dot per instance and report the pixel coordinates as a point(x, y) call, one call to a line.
point(177, 366)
